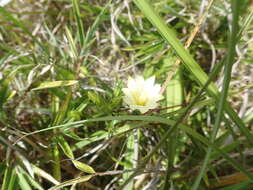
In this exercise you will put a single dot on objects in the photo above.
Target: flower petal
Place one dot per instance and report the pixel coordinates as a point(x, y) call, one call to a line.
point(150, 81)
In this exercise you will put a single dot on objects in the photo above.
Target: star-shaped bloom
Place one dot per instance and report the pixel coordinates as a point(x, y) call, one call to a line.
point(142, 94)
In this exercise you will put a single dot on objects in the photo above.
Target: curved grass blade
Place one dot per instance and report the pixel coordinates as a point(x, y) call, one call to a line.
point(152, 119)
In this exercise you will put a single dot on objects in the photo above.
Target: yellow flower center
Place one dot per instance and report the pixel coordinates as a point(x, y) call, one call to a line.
point(140, 98)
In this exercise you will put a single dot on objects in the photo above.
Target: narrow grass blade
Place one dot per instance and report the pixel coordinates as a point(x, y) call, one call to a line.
point(79, 21)
point(9, 179)
point(225, 87)
point(152, 119)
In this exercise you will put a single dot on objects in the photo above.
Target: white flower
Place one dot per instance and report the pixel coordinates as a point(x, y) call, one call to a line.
point(142, 94)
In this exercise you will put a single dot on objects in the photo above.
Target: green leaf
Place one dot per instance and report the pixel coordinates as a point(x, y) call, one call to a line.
point(83, 167)
point(65, 146)
point(55, 84)
point(71, 182)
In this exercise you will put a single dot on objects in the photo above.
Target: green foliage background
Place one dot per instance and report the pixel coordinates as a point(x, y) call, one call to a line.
point(63, 122)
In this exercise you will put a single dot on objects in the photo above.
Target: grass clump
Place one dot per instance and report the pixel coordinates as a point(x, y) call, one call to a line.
point(64, 118)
